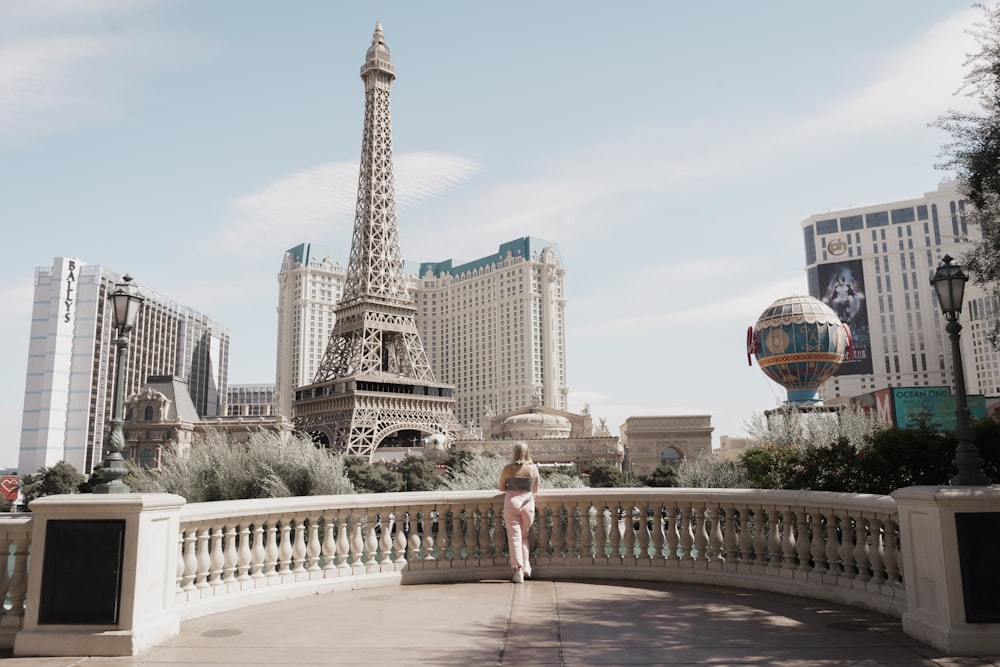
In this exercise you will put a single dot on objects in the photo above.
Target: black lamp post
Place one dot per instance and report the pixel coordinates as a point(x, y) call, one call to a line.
point(125, 304)
point(949, 283)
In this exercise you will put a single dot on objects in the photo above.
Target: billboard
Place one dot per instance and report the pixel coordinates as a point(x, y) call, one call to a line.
point(906, 407)
point(842, 286)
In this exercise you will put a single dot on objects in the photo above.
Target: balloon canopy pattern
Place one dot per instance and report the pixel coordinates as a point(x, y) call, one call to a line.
point(799, 342)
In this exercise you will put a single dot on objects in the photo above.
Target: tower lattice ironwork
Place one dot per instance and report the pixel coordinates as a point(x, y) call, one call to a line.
point(375, 380)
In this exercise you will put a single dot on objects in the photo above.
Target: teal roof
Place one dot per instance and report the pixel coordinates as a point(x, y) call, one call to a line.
point(525, 247)
point(304, 253)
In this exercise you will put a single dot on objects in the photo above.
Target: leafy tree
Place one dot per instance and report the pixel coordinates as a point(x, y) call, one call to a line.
point(663, 475)
point(458, 459)
point(476, 472)
point(605, 474)
point(49, 481)
point(973, 153)
point(371, 478)
point(419, 474)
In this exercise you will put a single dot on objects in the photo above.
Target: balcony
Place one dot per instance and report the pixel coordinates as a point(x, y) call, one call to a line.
point(190, 562)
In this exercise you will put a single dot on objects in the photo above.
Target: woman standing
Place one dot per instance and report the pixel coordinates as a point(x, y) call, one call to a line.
point(519, 480)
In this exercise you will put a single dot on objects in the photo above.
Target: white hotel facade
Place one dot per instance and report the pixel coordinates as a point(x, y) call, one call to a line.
point(887, 254)
point(494, 327)
point(71, 356)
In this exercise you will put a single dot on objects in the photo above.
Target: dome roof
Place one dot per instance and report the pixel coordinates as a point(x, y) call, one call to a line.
point(536, 425)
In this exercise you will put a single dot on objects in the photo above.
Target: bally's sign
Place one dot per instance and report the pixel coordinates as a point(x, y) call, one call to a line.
point(69, 290)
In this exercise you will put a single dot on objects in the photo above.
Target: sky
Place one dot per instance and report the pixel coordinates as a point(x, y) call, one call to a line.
point(670, 149)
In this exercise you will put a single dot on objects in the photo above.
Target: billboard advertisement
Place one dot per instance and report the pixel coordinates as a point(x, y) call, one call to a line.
point(842, 286)
point(936, 405)
point(906, 407)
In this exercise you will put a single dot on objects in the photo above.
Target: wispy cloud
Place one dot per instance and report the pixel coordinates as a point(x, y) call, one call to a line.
point(319, 202)
point(69, 64)
point(909, 89)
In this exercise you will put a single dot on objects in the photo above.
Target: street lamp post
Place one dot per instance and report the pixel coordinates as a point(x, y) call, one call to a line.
point(125, 303)
point(949, 283)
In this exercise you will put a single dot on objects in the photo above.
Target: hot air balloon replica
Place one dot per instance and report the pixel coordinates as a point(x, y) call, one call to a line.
point(799, 342)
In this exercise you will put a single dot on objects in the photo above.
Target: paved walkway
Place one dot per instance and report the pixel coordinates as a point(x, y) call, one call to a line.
point(538, 623)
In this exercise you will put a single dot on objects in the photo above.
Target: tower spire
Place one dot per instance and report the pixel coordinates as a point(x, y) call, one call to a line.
point(375, 381)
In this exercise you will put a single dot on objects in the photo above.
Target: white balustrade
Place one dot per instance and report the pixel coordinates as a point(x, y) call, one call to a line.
point(806, 541)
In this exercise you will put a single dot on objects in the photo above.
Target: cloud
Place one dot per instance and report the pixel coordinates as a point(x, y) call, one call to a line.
point(319, 202)
point(69, 63)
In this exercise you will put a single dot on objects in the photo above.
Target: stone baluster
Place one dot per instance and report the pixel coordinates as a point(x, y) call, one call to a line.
point(298, 548)
point(787, 539)
point(484, 538)
point(471, 535)
point(18, 587)
point(586, 534)
point(357, 540)
point(745, 541)
point(204, 559)
point(891, 555)
point(773, 538)
point(430, 539)
point(713, 516)
point(643, 534)
point(244, 555)
point(616, 532)
point(875, 552)
point(673, 532)
point(389, 525)
point(760, 527)
point(330, 544)
point(848, 528)
point(657, 534)
point(371, 543)
point(802, 541)
point(190, 558)
point(629, 534)
point(180, 561)
point(687, 532)
point(700, 519)
point(861, 544)
point(218, 557)
point(818, 546)
point(443, 538)
point(285, 547)
point(557, 532)
point(343, 541)
point(543, 533)
point(601, 547)
point(230, 556)
point(271, 551)
point(401, 538)
point(572, 541)
point(832, 544)
point(314, 549)
point(259, 551)
point(729, 542)
point(418, 530)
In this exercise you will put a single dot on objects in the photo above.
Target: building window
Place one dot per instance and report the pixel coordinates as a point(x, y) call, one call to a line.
point(148, 413)
point(146, 458)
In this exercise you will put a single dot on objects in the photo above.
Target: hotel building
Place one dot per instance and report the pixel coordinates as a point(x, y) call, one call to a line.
point(873, 265)
point(71, 356)
point(494, 327)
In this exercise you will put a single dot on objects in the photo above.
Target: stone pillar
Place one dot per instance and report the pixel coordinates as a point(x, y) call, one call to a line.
point(936, 605)
point(145, 607)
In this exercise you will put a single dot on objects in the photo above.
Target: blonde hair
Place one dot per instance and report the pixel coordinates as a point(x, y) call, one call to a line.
point(521, 455)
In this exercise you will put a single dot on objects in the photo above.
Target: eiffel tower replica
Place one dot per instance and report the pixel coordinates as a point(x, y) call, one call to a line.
point(375, 381)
